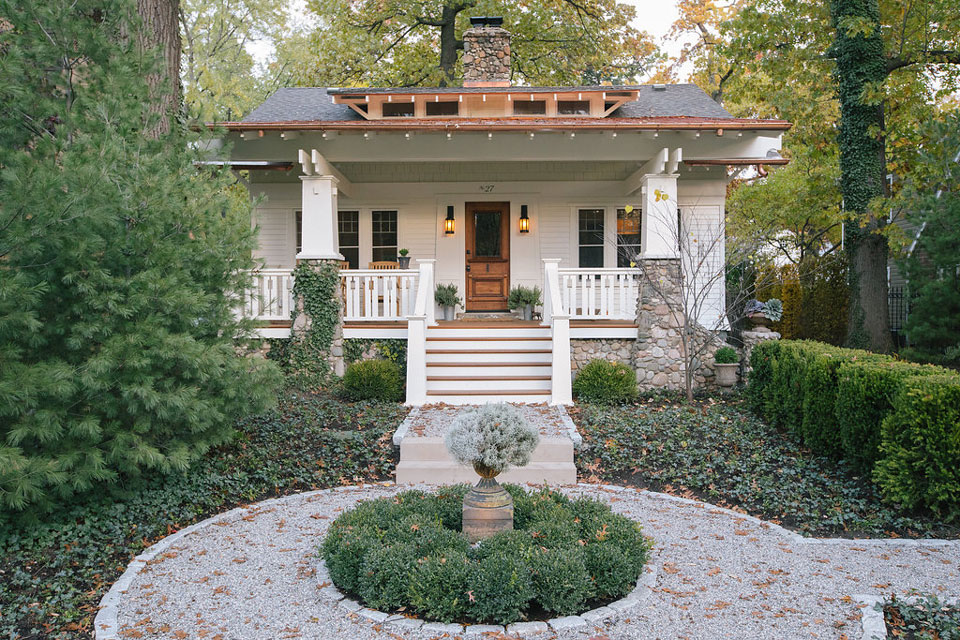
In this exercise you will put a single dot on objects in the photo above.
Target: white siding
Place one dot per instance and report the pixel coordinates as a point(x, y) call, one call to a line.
point(555, 234)
point(704, 263)
point(276, 237)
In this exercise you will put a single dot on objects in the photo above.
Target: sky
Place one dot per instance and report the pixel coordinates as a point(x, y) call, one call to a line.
point(653, 16)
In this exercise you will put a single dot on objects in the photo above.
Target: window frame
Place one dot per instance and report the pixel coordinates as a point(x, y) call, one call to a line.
point(373, 232)
point(602, 211)
point(639, 235)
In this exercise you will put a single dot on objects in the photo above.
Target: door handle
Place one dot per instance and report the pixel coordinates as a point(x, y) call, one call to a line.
point(468, 267)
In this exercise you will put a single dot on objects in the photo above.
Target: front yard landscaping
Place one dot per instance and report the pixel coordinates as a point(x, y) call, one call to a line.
point(52, 575)
point(719, 452)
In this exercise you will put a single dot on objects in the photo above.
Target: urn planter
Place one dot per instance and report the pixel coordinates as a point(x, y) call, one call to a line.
point(760, 321)
point(449, 313)
point(726, 374)
point(487, 507)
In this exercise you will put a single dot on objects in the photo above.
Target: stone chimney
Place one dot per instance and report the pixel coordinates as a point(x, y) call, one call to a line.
point(486, 54)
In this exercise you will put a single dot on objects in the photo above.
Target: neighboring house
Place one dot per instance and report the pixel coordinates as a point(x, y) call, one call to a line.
point(490, 186)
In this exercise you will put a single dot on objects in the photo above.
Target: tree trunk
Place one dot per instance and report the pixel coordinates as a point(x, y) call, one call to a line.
point(160, 31)
point(861, 65)
point(449, 44)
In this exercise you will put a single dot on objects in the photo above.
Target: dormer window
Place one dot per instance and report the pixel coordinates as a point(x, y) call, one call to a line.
point(573, 107)
point(529, 107)
point(447, 108)
point(398, 109)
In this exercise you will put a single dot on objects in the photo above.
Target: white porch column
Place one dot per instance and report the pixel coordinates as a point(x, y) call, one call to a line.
point(659, 228)
point(319, 239)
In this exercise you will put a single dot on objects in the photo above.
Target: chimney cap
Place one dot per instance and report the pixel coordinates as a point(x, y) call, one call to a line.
point(486, 21)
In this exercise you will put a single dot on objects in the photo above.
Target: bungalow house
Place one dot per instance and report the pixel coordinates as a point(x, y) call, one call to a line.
point(491, 186)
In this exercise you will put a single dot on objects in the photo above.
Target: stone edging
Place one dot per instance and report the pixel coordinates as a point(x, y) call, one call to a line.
point(570, 426)
point(404, 427)
point(106, 626)
point(872, 621)
point(642, 591)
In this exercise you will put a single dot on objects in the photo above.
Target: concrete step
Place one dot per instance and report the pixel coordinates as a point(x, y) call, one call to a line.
point(433, 449)
point(552, 473)
point(473, 344)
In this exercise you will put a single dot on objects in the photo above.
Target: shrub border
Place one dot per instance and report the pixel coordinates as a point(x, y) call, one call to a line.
point(106, 626)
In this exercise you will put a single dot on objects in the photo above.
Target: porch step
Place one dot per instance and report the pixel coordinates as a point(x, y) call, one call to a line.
point(487, 370)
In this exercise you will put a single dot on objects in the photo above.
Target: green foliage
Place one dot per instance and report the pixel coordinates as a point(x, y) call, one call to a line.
point(56, 571)
point(316, 287)
point(605, 382)
point(496, 436)
point(120, 263)
point(401, 43)
point(402, 552)
point(726, 355)
point(372, 380)
point(926, 618)
point(522, 296)
point(392, 349)
point(920, 446)
point(933, 205)
point(841, 402)
point(773, 309)
point(446, 295)
point(722, 454)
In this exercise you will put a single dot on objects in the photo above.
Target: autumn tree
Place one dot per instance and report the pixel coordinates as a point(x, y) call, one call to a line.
point(407, 43)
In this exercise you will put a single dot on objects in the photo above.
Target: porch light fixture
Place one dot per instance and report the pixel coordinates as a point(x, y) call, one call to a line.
point(449, 223)
point(524, 219)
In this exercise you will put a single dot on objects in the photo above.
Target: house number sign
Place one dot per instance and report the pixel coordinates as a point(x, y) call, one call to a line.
point(486, 188)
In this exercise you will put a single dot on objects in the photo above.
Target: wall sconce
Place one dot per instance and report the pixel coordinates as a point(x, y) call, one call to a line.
point(524, 219)
point(449, 223)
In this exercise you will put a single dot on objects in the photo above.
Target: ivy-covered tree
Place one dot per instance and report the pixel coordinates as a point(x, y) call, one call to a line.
point(119, 263)
point(410, 43)
point(933, 264)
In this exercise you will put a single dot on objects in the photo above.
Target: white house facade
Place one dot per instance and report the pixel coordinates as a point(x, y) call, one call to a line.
point(489, 187)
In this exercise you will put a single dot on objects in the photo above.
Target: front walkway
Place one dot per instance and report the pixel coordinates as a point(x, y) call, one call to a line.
point(251, 573)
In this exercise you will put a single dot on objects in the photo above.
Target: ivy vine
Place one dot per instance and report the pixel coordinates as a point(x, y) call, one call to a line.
point(316, 288)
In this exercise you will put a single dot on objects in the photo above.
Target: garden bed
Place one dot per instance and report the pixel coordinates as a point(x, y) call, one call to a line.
point(53, 574)
point(719, 452)
point(921, 618)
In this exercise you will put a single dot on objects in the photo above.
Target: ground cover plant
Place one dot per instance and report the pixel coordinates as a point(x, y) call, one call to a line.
point(52, 575)
point(722, 453)
point(407, 553)
point(926, 618)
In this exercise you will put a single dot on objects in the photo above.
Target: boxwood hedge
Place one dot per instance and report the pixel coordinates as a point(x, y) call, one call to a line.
point(889, 419)
point(407, 553)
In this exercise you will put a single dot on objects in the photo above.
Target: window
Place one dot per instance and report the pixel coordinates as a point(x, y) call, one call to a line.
point(348, 235)
point(529, 107)
point(384, 236)
point(298, 216)
point(443, 108)
point(397, 109)
point(573, 107)
point(590, 226)
point(628, 236)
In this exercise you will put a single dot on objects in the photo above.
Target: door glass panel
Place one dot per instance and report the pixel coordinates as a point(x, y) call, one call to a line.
point(487, 234)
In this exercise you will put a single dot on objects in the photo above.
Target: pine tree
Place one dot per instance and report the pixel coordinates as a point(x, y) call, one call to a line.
point(118, 259)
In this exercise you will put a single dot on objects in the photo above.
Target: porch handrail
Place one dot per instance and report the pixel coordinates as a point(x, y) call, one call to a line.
point(558, 318)
point(377, 294)
point(423, 315)
point(270, 297)
point(599, 293)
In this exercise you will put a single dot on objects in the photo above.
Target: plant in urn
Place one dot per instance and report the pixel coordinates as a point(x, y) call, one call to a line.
point(490, 438)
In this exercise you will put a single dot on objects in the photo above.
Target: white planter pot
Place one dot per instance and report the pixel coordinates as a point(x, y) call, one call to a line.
point(726, 374)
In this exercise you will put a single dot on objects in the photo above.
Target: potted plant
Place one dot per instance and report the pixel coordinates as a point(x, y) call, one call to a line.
point(762, 314)
point(726, 361)
point(490, 438)
point(524, 299)
point(403, 258)
point(446, 296)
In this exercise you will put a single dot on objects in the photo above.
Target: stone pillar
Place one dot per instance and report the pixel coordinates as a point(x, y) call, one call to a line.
point(303, 321)
point(658, 355)
point(659, 229)
point(486, 57)
point(752, 338)
point(319, 237)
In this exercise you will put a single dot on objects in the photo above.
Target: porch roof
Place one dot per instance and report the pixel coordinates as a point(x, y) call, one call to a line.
point(675, 106)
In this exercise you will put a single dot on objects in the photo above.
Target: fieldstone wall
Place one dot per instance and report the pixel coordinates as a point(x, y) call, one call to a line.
point(751, 339)
point(486, 57)
point(303, 321)
point(612, 349)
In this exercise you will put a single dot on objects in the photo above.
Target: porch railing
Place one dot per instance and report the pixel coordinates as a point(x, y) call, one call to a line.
point(271, 296)
point(555, 315)
point(599, 293)
point(371, 294)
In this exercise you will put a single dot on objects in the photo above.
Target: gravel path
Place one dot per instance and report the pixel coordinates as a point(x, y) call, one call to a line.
point(252, 574)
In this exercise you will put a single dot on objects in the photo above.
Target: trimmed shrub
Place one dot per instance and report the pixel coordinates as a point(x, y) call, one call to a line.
point(605, 382)
point(726, 355)
point(920, 446)
point(372, 380)
point(561, 581)
point(395, 554)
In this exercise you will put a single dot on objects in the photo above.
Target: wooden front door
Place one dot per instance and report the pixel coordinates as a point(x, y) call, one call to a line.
point(487, 255)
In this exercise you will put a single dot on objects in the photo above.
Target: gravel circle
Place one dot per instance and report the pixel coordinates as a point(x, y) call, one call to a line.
point(251, 573)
